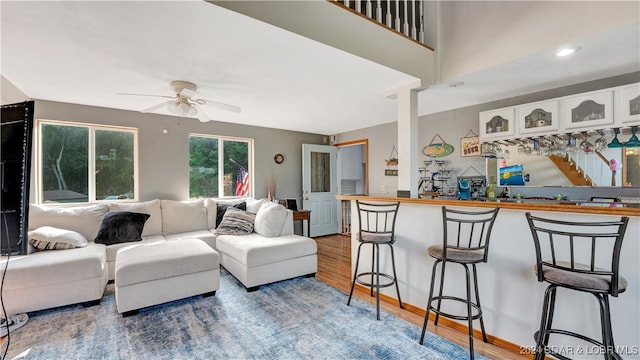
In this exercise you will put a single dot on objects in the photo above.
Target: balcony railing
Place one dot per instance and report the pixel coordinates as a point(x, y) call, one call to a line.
point(402, 16)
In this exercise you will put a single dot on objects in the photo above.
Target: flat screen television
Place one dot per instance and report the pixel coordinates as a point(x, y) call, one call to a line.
point(512, 175)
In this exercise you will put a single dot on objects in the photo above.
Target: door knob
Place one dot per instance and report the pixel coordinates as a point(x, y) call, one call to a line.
point(306, 198)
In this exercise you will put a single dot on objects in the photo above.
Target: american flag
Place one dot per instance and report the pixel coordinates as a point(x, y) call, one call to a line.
point(242, 182)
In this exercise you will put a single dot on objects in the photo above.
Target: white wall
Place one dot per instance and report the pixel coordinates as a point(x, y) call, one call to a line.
point(164, 158)
point(506, 29)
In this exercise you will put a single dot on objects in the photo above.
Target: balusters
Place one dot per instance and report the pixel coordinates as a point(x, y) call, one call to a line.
point(414, 33)
point(409, 20)
point(406, 18)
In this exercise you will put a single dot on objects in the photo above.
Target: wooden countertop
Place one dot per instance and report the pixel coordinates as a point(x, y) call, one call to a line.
point(526, 205)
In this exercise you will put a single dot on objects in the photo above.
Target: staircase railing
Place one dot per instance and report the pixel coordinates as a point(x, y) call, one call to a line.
point(405, 17)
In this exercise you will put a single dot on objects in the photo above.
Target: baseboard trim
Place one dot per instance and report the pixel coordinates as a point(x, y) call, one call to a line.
point(477, 334)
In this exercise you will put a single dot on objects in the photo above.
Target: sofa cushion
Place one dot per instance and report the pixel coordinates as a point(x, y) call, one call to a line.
point(121, 226)
point(161, 260)
point(44, 268)
point(236, 221)
point(85, 220)
point(270, 219)
point(153, 226)
point(253, 205)
point(205, 235)
point(112, 250)
point(51, 238)
point(183, 216)
point(255, 250)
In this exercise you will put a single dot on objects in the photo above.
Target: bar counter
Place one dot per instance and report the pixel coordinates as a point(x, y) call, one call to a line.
point(510, 294)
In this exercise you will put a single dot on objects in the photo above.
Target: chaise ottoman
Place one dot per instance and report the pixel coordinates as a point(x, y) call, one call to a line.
point(154, 273)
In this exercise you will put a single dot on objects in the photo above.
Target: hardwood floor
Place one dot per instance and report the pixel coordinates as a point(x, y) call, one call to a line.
point(334, 268)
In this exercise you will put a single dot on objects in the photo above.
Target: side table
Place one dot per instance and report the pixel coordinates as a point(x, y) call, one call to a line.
point(303, 215)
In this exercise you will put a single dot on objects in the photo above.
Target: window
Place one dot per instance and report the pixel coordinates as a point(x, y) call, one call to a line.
point(85, 163)
point(210, 156)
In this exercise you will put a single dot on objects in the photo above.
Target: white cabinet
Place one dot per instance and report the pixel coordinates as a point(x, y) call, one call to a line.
point(627, 105)
point(588, 110)
point(497, 124)
point(538, 117)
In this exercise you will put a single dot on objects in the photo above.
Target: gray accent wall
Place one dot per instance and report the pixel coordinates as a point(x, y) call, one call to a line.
point(164, 158)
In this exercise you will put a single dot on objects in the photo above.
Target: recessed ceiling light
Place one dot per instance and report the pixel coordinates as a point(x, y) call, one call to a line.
point(568, 50)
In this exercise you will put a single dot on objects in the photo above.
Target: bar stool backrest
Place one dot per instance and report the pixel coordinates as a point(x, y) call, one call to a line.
point(591, 248)
point(468, 230)
point(377, 221)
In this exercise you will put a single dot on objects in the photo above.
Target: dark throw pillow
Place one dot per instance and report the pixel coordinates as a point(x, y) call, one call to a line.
point(236, 222)
point(222, 208)
point(121, 226)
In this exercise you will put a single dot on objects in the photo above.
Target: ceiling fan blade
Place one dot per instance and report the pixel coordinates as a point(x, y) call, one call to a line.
point(154, 107)
point(162, 96)
point(201, 115)
point(222, 106)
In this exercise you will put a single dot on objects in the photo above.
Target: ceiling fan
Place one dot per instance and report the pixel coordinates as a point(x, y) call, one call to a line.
point(185, 101)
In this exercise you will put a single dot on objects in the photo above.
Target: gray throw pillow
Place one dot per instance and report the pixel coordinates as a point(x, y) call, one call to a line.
point(121, 226)
point(236, 222)
point(222, 208)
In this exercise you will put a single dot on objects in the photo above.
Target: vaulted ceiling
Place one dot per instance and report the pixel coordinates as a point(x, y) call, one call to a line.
point(89, 52)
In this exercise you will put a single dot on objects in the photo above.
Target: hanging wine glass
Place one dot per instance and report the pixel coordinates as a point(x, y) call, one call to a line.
point(585, 145)
point(601, 142)
point(521, 148)
point(571, 147)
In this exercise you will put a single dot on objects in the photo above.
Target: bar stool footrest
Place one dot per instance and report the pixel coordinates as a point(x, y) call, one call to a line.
point(452, 316)
point(572, 334)
point(391, 279)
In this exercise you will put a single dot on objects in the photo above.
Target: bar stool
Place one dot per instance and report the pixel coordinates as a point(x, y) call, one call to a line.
point(377, 227)
point(466, 236)
point(571, 255)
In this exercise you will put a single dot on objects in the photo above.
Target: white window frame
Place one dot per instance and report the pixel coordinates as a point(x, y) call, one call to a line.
point(91, 166)
point(221, 139)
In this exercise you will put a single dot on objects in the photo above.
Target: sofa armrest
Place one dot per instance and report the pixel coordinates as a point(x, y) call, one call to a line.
point(287, 228)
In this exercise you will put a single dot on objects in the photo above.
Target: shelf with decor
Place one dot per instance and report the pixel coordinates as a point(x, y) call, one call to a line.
point(588, 110)
point(538, 117)
point(627, 105)
point(497, 124)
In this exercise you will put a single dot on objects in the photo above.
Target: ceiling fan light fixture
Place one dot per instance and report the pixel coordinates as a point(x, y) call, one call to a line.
point(172, 107)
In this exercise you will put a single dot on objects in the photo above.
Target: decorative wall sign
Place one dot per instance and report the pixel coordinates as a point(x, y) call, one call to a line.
point(391, 172)
point(441, 149)
point(470, 145)
point(392, 160)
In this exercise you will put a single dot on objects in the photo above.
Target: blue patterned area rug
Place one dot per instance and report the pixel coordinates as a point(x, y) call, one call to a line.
point(301, 318)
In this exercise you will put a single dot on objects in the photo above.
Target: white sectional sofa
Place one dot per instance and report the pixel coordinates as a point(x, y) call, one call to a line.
point(51, 278)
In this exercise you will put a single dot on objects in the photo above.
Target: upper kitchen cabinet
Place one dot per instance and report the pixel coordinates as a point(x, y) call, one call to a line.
point(497, 124)
point(587, 110)
point(539, 117)
point(627, 105)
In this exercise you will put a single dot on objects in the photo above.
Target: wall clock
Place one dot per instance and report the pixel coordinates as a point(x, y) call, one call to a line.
point(279, 158)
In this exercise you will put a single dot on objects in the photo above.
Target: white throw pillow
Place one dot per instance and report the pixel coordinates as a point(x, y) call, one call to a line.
point(183, 216)
point(83, 219)
point(52, 238)
point(270, 219)
point(153, 226)
point(254, 205)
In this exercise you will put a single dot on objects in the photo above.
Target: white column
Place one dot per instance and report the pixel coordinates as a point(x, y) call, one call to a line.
point(408, 141)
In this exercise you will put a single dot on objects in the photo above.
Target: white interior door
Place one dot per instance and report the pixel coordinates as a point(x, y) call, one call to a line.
point(319, 188)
